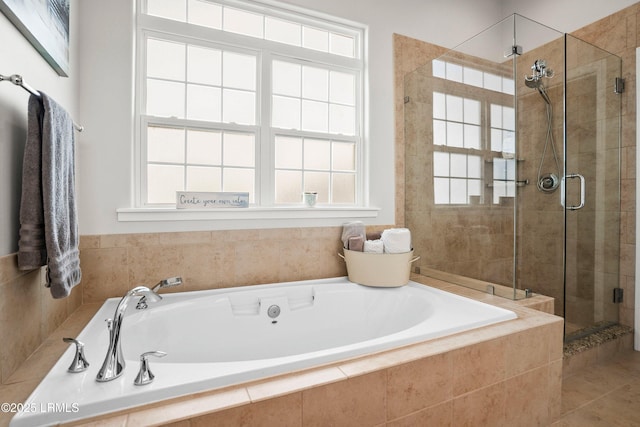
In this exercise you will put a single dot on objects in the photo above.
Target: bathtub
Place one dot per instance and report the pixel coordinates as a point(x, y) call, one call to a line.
point(221, 337)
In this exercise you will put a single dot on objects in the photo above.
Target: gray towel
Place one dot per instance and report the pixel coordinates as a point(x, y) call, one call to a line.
point(48, 206)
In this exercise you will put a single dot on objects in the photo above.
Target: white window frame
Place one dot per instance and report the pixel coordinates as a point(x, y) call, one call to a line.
point(268, 50)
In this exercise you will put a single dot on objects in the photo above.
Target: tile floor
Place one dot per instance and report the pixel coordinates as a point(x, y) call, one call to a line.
point(606, 394)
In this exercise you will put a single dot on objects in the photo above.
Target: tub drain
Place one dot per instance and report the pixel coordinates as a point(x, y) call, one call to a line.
point(273, 311)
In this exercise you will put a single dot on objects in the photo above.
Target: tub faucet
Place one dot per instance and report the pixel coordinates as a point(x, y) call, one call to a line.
point(114, 364)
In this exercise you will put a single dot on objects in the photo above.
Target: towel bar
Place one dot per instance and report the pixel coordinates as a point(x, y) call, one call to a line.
point(17, 80)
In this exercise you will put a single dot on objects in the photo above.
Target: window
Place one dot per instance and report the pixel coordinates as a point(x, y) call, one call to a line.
point(473, 136)
point(247, 97)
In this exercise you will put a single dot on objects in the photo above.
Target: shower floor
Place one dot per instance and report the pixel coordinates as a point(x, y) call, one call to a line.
point(579, 340)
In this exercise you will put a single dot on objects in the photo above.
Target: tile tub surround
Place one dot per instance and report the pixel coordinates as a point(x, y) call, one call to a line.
point(488, 375)
point(28, 313)
point(113, 264)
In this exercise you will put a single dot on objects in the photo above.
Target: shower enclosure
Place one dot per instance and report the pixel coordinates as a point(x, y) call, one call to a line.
point(512, 159)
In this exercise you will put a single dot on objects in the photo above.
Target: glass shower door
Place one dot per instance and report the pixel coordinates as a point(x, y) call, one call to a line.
point(591, 188)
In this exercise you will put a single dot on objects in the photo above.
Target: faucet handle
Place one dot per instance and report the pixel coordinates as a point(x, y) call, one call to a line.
point(145, 376)
point(79, 363)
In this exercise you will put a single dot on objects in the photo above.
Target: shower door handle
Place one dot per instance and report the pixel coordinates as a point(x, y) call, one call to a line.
point(582, 191)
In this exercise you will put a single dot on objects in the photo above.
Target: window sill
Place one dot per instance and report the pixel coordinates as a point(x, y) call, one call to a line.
point(316, 216)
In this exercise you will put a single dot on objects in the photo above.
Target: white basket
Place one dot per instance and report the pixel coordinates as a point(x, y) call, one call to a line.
point(379, 270)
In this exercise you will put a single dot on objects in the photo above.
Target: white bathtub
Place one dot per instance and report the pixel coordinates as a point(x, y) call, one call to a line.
point(221, 337)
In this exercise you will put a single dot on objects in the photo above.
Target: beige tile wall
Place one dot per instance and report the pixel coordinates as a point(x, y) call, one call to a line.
point(113, 264)
point(28, 313)
point(617, 34)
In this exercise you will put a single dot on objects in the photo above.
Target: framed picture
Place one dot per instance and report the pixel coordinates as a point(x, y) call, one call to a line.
point(45, 23)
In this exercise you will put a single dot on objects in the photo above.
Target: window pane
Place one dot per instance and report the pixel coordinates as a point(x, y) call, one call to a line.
point(511, 169)
point(458, 165)
point(239, 180)
point(508, 86)
point(282, 31)
point(317, 154)
point(286, 78)
point(165, 144)
point(342, 119)
point(455, 134)
point(286, 113)
point(315, 83)
point(492, 82)
point(238, 70)
point(318, 182)
point(241, 22)
point(472, 77)
point(165, 60)
point(205, 65)
point(508, 118)
point(204, 179)
point(474, 166)
point(162, 183)
point(204, 148)
point(508, 142)
point(205, 14)
point(341, 45)
point(454, 72)
point(441, 191)
point(203, 103)
point(496, 116)
point(438, 68)
point(439, 106)
point(472, 136)
point(288, 152)
point(496, 140)
point(315, 116)
point(458, 191)
point(344, 188)
point(288, 186)
point(440, 163)
point(171, 9)
point(504, 169)
point(165, 99)
point(454, 108)
point(472, 111)
point(439, 132)
point(344, 156)
point(239, 107)
point(342, 88)
point(238, 149)
point(315, 39)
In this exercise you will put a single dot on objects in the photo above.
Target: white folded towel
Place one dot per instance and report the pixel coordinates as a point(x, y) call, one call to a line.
point(374, 246)
point(396, 240)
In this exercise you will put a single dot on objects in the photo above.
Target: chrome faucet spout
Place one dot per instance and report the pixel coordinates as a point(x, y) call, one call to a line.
point(114, 363)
